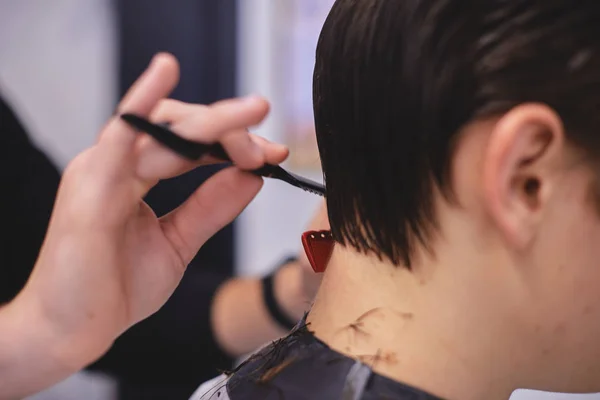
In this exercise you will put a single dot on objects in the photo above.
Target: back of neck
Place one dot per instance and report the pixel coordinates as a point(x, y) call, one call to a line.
point(390, 318)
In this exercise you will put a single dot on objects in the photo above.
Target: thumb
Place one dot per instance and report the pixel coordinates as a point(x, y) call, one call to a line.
point(212, 206)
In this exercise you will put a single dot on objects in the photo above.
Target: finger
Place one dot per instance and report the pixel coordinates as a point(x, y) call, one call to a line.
point(275, 153)
point(159, 162)
point(238, 145)
point(211, 122)
point(171, 110)
point(215, 204)
point(155, 161)
point(226, 122)
point(155, 83)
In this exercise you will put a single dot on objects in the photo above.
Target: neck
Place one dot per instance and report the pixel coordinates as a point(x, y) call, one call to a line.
point(420, 327)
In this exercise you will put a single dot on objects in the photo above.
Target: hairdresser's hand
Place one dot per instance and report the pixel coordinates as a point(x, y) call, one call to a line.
point(108, 261)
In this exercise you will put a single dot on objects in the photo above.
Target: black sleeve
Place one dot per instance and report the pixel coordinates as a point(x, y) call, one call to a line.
point(29, 185)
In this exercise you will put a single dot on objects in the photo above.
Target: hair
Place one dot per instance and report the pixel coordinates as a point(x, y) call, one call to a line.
point(395, 80)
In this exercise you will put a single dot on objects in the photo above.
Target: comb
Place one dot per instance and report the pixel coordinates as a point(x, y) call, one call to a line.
point(194, 150)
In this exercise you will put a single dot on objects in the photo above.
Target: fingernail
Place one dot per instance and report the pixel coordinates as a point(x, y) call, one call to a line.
point(251, 98)
point(268, 141)
point(152, 60)
point(279, 146)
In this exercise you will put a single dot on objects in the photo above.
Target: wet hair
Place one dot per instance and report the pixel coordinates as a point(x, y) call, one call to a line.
point(395, 80)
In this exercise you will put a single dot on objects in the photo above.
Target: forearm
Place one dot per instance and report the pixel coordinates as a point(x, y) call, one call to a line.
point(240, 320)
point(32, 355)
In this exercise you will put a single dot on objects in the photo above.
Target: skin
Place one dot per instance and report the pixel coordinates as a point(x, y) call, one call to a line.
point(241, 327)
point(108, 261)
point(509, 295)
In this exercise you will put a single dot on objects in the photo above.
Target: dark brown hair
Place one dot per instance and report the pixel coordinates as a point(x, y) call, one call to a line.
point(395, 80)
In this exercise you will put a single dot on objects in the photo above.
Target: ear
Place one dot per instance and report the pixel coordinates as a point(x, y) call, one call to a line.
point(519, 170)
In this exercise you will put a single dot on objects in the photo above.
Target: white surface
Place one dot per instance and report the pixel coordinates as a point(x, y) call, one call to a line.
point(81, 386)
point(214, 389)
point(58, 70)
point(533, 395)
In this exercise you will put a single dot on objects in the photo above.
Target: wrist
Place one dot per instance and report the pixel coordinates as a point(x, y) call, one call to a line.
point(32, 356)
point(67, 350)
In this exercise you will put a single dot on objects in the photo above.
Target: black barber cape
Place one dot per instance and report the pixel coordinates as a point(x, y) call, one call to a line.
point(301, 367)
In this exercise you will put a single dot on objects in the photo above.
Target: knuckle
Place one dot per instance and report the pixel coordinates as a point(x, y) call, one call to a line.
point(80, 163)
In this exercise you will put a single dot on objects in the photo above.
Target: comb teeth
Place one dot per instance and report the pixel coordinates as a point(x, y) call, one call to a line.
point(304, 186)
point(311, 190)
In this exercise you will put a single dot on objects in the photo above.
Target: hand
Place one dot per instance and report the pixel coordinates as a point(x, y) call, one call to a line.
point(108, 261)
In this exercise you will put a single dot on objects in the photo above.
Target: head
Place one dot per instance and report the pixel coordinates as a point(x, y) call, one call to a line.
point(473, 132)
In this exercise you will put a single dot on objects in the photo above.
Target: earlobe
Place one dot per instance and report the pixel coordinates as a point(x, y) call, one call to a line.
point(518, 177)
